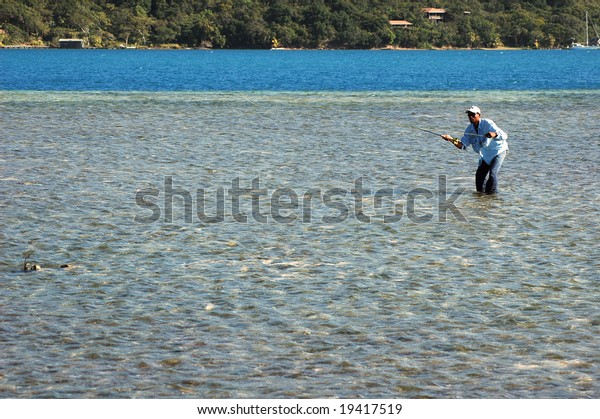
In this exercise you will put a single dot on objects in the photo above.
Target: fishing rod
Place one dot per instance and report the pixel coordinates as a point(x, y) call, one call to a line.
point(420, 129)
point(439, 135)
point(426, 130)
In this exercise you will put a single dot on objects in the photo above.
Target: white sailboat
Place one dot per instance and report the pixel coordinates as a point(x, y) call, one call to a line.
point(587, 45)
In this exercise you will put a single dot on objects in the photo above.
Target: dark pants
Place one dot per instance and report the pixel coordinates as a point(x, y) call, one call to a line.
point(491, 186)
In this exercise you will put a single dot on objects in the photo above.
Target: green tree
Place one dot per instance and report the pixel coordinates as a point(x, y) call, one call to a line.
point(522, 27)
point(316, 18)
point(23, 20)
point(299, 23)
point(201, 30)
point(132, 25)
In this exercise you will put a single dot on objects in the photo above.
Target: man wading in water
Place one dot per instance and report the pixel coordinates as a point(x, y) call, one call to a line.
point(490, 142)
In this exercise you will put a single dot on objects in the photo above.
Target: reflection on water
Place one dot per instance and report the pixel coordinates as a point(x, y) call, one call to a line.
point(504, 304)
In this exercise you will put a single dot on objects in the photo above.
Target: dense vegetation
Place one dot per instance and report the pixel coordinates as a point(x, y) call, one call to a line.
point(297, 23)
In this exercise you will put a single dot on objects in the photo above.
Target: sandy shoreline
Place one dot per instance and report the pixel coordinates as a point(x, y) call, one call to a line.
point(172, 48)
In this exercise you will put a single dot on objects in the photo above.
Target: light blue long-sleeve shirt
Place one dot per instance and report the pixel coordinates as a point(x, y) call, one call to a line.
point(488, 148)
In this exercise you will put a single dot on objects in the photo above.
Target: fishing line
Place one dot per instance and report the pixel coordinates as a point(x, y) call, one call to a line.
point(432, 132)
point(413, 127)
point(463, 156)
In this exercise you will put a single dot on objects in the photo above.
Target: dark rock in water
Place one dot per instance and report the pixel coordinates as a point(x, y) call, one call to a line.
point(28, 266)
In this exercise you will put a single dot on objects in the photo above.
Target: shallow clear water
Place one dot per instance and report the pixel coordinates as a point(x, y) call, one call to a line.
point(503, 303)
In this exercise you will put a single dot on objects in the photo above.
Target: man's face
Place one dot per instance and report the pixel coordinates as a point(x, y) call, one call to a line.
point(473, 117)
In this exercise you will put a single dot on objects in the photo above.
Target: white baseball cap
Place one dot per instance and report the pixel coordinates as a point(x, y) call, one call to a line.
point(473, 109)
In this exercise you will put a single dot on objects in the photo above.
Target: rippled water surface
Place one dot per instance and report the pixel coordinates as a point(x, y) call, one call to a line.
point(491, 297)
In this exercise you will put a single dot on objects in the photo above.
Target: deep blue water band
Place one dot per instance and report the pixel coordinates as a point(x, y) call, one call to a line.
point(242, 70)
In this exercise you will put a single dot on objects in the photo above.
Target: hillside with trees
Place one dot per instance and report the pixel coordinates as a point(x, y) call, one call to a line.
point(297, 23)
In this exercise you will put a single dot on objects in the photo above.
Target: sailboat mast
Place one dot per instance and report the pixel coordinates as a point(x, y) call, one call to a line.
point(587, 37)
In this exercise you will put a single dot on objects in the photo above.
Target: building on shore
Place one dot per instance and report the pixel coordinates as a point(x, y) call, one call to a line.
point(71, 43)
point(400, 23)
point(434, 14)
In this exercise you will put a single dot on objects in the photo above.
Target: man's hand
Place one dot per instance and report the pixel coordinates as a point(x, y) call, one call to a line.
point(453, 140)
point(491, 134)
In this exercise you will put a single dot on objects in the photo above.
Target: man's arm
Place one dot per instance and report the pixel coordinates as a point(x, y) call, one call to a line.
point(494, 132)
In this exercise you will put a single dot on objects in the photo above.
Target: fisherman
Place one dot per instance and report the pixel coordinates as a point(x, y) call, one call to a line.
point(490, 142)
